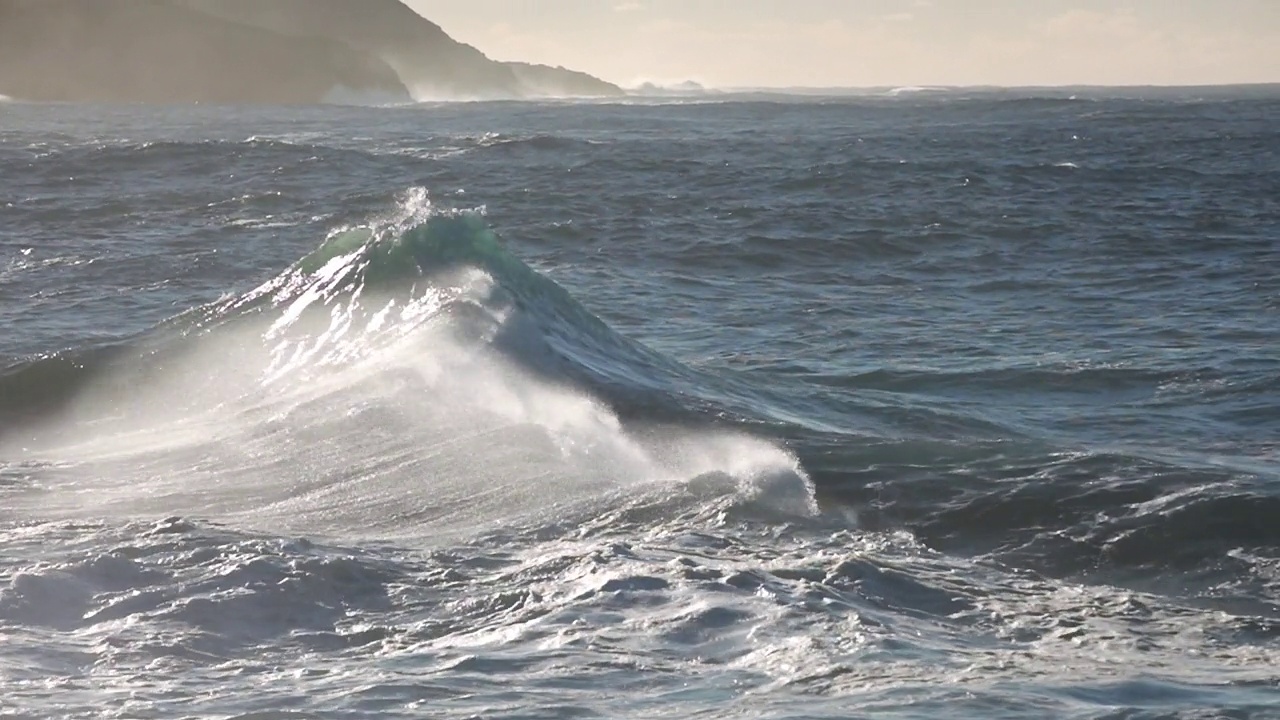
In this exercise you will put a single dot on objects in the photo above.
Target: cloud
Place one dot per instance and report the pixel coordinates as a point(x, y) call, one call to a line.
point(627, 7)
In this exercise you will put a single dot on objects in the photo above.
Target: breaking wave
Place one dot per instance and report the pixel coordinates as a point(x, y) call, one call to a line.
point(410, 375)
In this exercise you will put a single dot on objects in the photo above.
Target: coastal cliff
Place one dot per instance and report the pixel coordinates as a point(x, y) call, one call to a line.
point(429, 62)
point(155, 51)
point(253, 51)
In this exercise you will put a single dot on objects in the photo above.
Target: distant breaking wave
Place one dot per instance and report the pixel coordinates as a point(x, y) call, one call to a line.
point(686, 88)
point(913, 89)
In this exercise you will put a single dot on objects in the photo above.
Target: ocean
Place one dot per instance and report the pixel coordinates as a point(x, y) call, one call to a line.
point(916, 404)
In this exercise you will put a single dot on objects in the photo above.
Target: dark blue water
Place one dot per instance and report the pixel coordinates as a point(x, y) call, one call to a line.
point(961, 402)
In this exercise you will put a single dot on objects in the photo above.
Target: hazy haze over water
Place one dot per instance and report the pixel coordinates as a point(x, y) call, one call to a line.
point(881, 42)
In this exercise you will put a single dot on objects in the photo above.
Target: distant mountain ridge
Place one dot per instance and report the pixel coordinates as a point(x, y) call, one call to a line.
point(429, 62)
point(253, 51)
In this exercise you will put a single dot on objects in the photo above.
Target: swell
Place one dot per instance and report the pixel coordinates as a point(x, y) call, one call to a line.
point(1175, 526)
point(164, 152)
point(77, 152)
point(539, 142)
point(1061, 379)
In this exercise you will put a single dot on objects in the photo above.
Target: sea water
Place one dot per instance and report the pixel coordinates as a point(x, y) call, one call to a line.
point(896, 405)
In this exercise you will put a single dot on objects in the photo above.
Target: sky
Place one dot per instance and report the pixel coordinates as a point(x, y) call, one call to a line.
point(872, 43)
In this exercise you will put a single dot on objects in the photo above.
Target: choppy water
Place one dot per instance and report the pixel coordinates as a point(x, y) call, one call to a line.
point(959, 404)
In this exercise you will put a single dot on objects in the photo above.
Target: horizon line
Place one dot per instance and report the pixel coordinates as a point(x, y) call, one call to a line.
point(943, 86)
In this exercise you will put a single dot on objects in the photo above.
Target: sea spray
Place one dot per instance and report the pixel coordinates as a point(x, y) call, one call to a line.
point(409, 376)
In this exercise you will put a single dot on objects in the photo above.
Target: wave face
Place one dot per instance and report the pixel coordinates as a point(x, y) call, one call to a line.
point(947, 402)
point(419, 337)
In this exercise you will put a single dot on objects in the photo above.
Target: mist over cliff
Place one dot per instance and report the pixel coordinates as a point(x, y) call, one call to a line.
point(253, 51)
point(429, 62)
